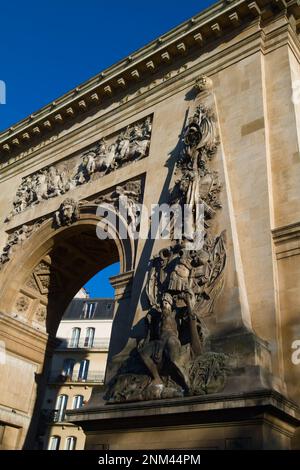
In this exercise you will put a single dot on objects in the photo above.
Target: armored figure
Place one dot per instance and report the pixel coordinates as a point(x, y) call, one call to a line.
point(179, 278)
point(41, 190)
point(139, 142)
point(55, 185)
point(123, 145)
point(89, 162)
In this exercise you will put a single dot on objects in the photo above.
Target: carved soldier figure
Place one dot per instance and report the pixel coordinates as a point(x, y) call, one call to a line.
point(147, 128)
point(110, 157)
point(123, 144)
point(179, 278)
point(106, 156)
point(139, 142)
point(101, 154)
point(64, 181)
point(31, 190)
point(41, 187)
point(127, 204)
point(86, 168)
point(55, 187)
point(20, 200)
point(89, 162)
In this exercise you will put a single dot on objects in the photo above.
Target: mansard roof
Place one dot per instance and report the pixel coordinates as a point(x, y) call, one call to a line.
point(103, 310)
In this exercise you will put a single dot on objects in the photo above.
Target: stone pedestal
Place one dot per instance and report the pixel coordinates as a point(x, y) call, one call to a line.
point(261, 419)
point(249, 361)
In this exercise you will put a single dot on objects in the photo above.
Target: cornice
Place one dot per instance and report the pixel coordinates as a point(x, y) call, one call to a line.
point(286, 233)
point(31, 339)
point(141, 100)
point(287, 241)
point(178, 77)
point(258, 399)
point(204, 28)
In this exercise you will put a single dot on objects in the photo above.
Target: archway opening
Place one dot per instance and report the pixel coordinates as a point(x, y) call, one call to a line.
point(39, 282)
point(77, 261)
point(37, 285)
point(79, 360)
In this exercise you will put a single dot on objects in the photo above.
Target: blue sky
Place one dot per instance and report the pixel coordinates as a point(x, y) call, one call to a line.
point(49, 47)
point(99, 285)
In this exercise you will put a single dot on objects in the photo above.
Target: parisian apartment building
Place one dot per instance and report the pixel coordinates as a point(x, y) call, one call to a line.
point(78, 365)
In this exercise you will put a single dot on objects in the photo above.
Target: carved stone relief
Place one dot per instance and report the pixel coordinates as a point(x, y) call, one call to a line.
point(126, 200)
point(48, 282)
point(131, 144)
point(126, 196)
point(17, 238)
point(67, 213)
point(22, 304)
point(41, 313)
point(31, 283)
point(174, 358)
point(198, 183)
point(45, 279)
point(132, 189)
point(42, 267)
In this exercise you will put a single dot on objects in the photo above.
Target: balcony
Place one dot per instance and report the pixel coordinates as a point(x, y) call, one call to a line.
point(52, 416)
point(57, 376)
point(98, 343)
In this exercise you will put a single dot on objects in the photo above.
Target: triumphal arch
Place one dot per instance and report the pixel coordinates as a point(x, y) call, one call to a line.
point(204, 351)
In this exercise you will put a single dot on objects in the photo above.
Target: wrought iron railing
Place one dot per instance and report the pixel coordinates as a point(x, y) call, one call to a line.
point(53, 416)
point(58, 376)
point(97, 343)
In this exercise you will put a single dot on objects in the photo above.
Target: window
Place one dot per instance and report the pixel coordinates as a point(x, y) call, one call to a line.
point(70, 443)
point(88, 310)
point(75, 338)
point(54, 443)
point(83, 370)
point(2, 429)
point(89, 337)
point(77, 402)
point(68, 367)
point(61, 406)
